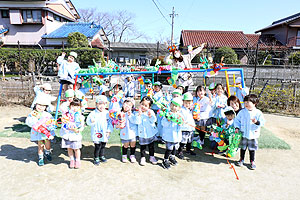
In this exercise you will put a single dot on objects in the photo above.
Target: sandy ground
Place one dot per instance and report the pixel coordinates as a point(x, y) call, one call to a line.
point(200, 177)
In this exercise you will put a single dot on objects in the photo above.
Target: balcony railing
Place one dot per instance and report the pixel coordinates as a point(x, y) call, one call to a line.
point(294, 41)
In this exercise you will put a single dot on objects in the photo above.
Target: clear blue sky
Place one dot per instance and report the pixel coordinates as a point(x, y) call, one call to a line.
point(235, 15)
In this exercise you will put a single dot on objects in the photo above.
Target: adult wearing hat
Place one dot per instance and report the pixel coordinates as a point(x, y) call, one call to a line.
point(67, 69)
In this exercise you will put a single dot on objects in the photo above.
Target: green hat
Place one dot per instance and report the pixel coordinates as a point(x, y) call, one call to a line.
point(101, 99)
point(212, 86)
point(187, 96)
point(177, 101)
point(69, 93)
point(147, 81)
point(74, 54)
point(157, 83)
point(176, 91)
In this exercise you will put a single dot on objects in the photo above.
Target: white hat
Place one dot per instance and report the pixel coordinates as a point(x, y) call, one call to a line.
point(187, 96)
point(177, 101)
point(42, 100)
point(131, 100)
point(238, 80)
point(74, 54)
point(101, 99)
point(229, 110)
point(46, 86)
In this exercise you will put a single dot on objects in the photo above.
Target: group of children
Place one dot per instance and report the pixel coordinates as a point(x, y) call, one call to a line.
point(172, 120)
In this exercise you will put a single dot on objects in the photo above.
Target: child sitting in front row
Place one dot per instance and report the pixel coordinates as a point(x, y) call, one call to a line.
point(187, 129)
point(146, 129)
point(128, 133)
point(72, 125)
point(248, 121)
point(171, 134)
point(34, 118)
point(101, 127)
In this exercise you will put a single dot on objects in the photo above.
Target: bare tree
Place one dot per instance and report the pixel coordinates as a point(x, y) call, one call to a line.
point(118, 26)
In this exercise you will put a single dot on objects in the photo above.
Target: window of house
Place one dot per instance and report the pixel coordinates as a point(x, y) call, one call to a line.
point(5, 13)
point(32, 16)
point(298, 38)
point(56, 18)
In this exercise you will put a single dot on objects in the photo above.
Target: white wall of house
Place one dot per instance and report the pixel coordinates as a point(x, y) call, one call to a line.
point(56, 41)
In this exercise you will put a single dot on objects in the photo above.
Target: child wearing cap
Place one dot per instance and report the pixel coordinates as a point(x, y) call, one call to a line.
point(44, 91)
point(129, 87)
point(117, 98)
point(71, 128)
point(172, 134)
point(176, 93)
point(146, 129)
point(80, 95)
point(67, 69)
point(41, 133)
point(101, 127)
point(64, 107)
point(128, 133)
point(147, 89)
point(249, 121)
point(187, 128)
point(158, 95)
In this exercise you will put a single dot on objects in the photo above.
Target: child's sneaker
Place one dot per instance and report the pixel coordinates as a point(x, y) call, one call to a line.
point(180, 155)
point(173, 161)
point(153, 160)
point(103, 159)
point(41, 162)
point(77, 164)
point(48, 156)
point(143, 161)
point(124, 159)
point(166, 164)
point(132, 158)
point(72, 164)
point(240, 163)
point(97, 161)
point(253, 165)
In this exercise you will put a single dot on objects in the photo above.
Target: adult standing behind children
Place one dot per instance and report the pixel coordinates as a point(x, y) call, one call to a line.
point(67, 69)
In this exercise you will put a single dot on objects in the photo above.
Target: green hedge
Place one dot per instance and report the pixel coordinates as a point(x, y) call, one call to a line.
point(45, 58)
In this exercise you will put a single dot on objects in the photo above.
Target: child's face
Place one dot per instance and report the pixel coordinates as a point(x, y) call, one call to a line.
point(249, 105)
point(201, 93)
point(75, 108)
point(230, 117)
point(78, 86)
point(129, 78)
point(234, 105)
point(148, 86)
point(187, 104)
point(116, 90)
point(219, 90)
point(175, 108)
point(144, 106)
point(101, 106)
point(156, 88)
point(181, 89)
point(40, 108)
point(175, 95)
point(127, 106)
point(70, 99)
point(71, 59)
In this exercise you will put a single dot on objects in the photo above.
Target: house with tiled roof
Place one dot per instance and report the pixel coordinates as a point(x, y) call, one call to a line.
point(284, 32)
point(236, 40)
point(27, 21)
point(136, 53)
point(94, 33)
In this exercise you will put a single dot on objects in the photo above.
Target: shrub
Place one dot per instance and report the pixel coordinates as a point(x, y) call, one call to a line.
point(230, 57)
point(77, 40)
point(294, 58)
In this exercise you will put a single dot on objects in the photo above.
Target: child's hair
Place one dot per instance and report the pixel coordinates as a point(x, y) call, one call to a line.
point(199, 88)
point(229, 112)
point(127, 100)
point(235, 100)
point(118, 85)
point(180, 86)
point(146, 98)
point(75, 102)
point(252, 98)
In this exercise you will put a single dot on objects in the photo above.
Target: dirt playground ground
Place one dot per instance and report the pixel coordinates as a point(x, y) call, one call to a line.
point(201, 177)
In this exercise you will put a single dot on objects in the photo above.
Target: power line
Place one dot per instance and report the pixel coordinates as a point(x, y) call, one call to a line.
point(161, 12)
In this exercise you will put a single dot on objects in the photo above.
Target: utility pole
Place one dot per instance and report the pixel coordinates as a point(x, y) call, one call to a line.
point(172, 15)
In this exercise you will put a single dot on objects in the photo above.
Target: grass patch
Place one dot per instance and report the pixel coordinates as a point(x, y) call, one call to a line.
point(268, 140)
